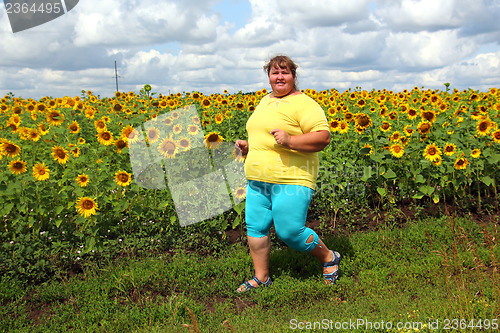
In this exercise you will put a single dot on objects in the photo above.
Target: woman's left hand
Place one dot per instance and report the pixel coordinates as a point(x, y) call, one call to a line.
point(281, 137)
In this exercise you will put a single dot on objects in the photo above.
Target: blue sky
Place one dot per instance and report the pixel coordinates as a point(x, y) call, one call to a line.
point(212, 45)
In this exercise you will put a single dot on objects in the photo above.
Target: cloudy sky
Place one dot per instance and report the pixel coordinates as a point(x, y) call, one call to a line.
point(212, 45)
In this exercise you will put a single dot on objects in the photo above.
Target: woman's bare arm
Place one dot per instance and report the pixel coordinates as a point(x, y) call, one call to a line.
point(308, 142)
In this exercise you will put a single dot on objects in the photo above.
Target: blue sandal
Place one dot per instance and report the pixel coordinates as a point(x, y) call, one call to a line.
point(249, 286)
point(333, 276)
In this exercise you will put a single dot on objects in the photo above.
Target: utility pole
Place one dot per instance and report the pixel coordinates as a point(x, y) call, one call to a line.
point(116, 77)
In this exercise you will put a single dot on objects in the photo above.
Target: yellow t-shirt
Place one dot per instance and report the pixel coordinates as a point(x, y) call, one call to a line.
point(269, 161)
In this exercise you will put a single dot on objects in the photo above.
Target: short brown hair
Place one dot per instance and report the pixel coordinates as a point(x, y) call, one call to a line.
point(282, 61)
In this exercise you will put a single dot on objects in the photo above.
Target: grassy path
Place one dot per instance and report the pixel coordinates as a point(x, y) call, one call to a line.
point(423, 274)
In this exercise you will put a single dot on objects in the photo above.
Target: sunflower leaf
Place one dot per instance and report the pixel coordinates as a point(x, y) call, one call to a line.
point(381, 191)
point(389, 174)
point(487, 180)
point(236, 222)
point(58, 209)
point(365, 151)
point(420, 179)
point(426, 189)
point(418, 195)
point(6, 209)
point(378, 157)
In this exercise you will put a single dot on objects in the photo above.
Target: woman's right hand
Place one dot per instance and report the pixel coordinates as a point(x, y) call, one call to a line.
point(242, 145)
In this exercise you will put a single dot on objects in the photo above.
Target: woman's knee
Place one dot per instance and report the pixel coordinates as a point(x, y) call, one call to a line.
point(304, 240)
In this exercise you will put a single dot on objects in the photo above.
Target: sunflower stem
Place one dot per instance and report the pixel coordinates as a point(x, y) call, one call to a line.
point(496, 194)
point(478, 193)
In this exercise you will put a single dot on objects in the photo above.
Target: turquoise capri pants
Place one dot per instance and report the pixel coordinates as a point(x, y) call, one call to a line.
point(286, 206)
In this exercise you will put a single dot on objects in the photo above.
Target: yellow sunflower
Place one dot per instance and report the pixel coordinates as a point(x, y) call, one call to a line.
point(105, 138)
point(123, 178)
point(117, 107)
point(393, 115)
point(17, 167)
point(213, 139)
point(74, 127)
point(404, 140)
point(206, 103)
point(397, 150)
point(41, 172)
point(153, 134)
point(361, 103)
point(74, 150)
point(424, 127)
point(432, 152)
point(363, 121)
point(496, 136)
point(334, 125)
point(33, 134)
point(438, 161)
point(240, 106)
point(450, 149)
point(428, 115)
point(385, 126)
point(9, 148)
point(412, 114)
point(55, 118)
point(395, 137)
point(193, 129)
point(219, 118)
point(484, 126)
point(461, 163)
point(82, 180)
point(86, 206)
point(134, 136)
point(349, 117)
point(100, 125)
point(177, 128)
point(240, 193)
point(120, 144)
point(60, 154)
point(127, 130)
point(168, 121)
point(43, 128)
point(475, 153)
point(168, 147)
point(13, 127)
point(343, 127)
point(185, 143)
point(408, 130)
point(15, 119)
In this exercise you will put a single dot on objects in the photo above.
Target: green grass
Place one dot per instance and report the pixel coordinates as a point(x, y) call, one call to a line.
point(428, 270)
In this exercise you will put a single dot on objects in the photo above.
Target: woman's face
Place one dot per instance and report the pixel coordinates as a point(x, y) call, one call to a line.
point(281, 81)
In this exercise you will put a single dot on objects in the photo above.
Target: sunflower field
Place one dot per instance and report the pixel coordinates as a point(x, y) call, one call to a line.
point(66, 171)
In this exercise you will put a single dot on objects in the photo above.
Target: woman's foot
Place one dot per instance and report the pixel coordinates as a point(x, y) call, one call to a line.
point(252, 284)
point(331, 268)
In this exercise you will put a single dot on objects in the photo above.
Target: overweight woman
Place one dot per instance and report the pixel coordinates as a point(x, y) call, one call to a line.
point(285, 133)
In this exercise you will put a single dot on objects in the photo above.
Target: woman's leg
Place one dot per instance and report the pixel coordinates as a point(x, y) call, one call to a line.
point(260, 248)
point(258, 220)
point(324, 255)
point(290, 206)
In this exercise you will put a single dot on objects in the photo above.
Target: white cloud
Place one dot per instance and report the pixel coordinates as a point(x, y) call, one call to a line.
point(115, 22)
point(432, 15)
point(187, 45)
point(425, 49)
